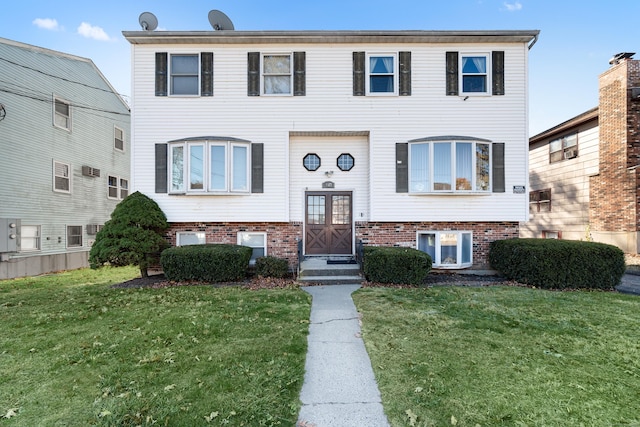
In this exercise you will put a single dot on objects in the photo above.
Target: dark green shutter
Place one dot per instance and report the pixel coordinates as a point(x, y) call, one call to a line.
point(257, 168)
point(358, 73)
point(253, 74)
point(161, 168)
point(161, 74)
point(497, 68)
point(402, 167)
point(206, 70)
point(299, 74)
point(497, 172)
point(405, 74)
point(452, 73)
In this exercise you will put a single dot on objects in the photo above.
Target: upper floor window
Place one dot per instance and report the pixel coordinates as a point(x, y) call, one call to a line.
point(563, 148)
point(277, 78)
point(311, 162)
point(118, 139)
point(381, 74)
point(449, 166)
point(474, 73)
point(345, 162)
point(184, 74)
point(61, 114)
point(209, 166)
point(447, 249)
point(61, 177)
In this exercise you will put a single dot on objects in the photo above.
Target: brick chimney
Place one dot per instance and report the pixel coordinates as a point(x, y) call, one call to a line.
point(615, 191)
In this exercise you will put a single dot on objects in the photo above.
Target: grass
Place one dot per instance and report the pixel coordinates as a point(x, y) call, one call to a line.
point(504, 356)
point(76, 352)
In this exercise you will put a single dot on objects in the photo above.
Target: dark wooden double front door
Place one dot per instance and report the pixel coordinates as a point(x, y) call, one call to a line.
point(328, 223)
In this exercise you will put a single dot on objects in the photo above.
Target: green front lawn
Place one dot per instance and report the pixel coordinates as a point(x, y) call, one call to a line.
point(504, 356)
point(76, 352)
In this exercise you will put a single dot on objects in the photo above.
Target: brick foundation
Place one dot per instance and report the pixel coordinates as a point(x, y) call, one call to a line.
point(282, 237)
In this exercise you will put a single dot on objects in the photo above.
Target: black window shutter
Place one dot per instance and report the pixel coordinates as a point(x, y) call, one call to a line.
point(402, 167)
point(206, 71)
point(161, 168)
point(299, 74)
point(497, 67)
point(452, 73)
point(253, 74)
point(257, 168)
point(161, 74)
point(405, 74)
point(498, 167)
point(358, 73)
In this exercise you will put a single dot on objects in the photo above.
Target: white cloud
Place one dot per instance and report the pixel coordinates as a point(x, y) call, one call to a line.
point(92, 32)
point(512, 7)
point(47, 24)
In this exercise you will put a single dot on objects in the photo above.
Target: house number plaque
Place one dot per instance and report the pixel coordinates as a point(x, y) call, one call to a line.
point(518, 189)
point(328, 184)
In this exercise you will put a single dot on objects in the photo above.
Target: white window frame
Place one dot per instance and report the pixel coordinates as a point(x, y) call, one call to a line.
point(182, 236)
point(566, 148)
point(438, 262)
point(476, 187)
point(55, 175)
point(36, 238)
point(56, 115)
point(263, 73)
point(487, 73)
point(68, 236)
point(172, 74)
point(230, 186)
point(117, 130)
point(368, 73)
point(121, 187)
point(243, 239)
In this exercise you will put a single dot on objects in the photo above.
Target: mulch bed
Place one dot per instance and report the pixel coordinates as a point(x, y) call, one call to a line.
point(433, 279)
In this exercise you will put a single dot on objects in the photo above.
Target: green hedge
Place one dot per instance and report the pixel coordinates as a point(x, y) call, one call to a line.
point(268, 266)
point(558, 264)
point(396, 265)
point(207, 263)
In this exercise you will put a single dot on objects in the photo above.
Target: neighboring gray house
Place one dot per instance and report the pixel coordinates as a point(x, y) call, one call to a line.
point(65, 163)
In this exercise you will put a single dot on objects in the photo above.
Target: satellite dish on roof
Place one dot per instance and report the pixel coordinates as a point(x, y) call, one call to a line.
point(220, 21)
point(148, 21)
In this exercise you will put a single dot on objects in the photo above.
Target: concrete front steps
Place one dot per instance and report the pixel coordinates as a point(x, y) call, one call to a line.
point(326, 270)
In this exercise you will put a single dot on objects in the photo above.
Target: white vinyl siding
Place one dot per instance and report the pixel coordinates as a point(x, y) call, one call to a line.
point(329, 108)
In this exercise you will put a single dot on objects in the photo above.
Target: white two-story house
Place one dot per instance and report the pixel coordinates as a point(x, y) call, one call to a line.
point(329, 138)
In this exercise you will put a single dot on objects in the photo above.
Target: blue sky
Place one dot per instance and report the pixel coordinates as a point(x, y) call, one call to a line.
point(577, 38)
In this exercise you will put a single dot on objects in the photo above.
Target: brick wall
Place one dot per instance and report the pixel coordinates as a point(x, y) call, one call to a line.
point(282, 243)
point(614, 192)
point(404, 234)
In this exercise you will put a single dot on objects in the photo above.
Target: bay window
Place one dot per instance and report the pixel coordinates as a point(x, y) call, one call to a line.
point(449, 166)
point(209, 167)
point(447, 249)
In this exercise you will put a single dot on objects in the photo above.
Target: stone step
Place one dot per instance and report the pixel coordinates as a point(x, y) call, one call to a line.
point(352, 270)
point(331, 280)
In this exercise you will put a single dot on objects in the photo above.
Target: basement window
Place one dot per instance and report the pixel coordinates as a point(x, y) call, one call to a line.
point(447, 249)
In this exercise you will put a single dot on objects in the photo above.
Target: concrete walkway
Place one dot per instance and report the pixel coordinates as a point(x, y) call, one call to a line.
point(339, 388)
point(630, 284)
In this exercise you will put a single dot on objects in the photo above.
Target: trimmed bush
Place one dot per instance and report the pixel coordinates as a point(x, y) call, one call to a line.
point(206, 263)
point(396, 265)
point(268, 266)
point(558, 264)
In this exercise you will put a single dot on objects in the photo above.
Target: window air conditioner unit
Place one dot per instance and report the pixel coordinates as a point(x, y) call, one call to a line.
point(89, 171)
point(92, 229)
point(570, 154)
